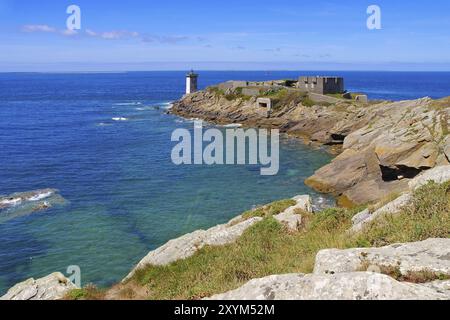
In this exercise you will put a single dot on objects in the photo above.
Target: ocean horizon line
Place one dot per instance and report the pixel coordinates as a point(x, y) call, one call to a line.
point(219, 70)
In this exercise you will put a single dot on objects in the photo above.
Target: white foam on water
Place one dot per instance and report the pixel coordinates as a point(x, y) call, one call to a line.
point(11, 202)
point(128, 104)
point(320, 203)
point(146, 108)
point(41, 196)
point(167, 105)
point(120, 119)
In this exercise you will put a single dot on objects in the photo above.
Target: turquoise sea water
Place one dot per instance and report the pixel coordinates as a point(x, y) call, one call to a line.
point(124, 196)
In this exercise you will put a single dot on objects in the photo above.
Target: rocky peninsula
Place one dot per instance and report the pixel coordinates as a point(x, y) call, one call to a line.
point(381, 145)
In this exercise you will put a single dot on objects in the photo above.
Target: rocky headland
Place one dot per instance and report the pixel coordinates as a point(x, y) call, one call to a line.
point(380, 145)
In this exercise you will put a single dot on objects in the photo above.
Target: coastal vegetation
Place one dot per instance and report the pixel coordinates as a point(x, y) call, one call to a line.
point(266, 248)
point(280, 96)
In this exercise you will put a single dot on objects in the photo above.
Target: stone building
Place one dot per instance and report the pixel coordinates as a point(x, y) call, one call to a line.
point(321, 85)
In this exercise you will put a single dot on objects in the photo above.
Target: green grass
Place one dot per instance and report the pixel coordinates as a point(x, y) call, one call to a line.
point(335, 95)
point(264, 249)
point(307, 102)
point(267, 249)
point(283, 97)
point(341, 96)
point(427, 217)
point(236, 94)
point(216, 90)
point(90, 292)
point(440, 104)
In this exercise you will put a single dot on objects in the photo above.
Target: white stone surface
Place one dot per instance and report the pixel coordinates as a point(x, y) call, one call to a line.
point(362, 219)
point(291, 217)
point(52, 287)
point(431, 255)
point(344, 286)
point(439, 174)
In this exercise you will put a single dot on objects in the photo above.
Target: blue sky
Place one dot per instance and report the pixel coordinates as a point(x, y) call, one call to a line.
point(224, 35)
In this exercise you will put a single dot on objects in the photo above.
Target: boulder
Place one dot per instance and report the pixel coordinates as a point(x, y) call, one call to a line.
point(291, 217)
point(52, 287)
point(187, 245)
point(424, 157)
point(372, 190)
point(344, 286)
point(21, 204)
point(291, 221)
point(439, 174)
point(345, 171)
point(432, 255)
point(304, 203)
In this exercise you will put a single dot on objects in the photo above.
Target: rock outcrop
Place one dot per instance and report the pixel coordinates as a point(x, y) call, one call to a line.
point(401, 140)
point(344, 286)
point(430, 256)
point(187, 245)
point(52, 287)
point(384, 144)
point(291, 218)
point(25, 203)
point(364, 218)
point(342, 275)
point(439, 174)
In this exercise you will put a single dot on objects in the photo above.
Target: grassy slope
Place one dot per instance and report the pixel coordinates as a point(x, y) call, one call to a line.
point(267, 249)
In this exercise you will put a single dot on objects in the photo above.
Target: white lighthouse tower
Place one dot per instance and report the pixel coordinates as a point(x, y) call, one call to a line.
point(191, 82)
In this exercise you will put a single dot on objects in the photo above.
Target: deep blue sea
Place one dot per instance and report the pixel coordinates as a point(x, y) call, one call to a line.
point(124, 197)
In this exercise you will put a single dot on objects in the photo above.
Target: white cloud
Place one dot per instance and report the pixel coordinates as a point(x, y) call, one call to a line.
point(91, 33)
point(114, 35)
point(68, 32)
point(111, 35)
point(38, 28)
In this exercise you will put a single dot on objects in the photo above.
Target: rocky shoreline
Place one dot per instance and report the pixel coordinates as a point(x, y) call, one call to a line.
point(385, 148)
point(419, 270)
point(381, 145)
